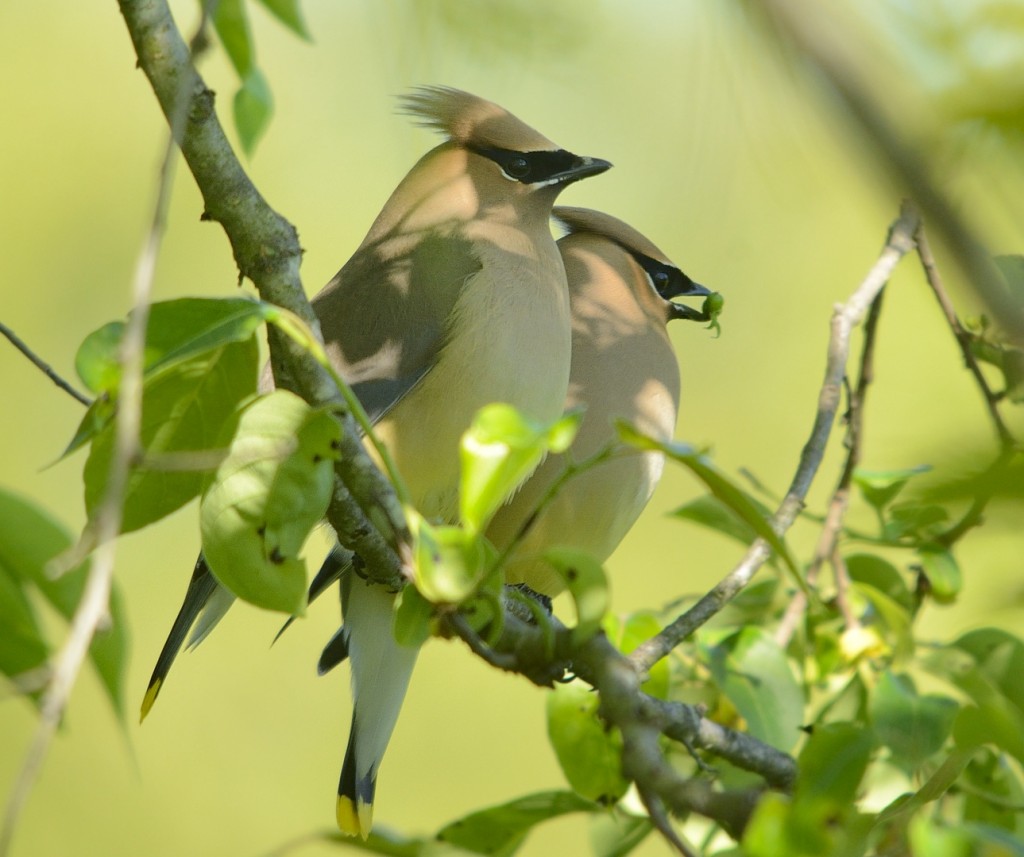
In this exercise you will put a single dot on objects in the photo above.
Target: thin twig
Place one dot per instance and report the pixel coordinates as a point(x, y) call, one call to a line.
point(42, 365)
point(502, 660)
point(975, 512)
point(525, 648)
point(659, 818)
point(1007, 442)
point(26, 683)
point(828, 541)
point(963, 338)
point(266, 249)
point(94, 606)
point(844, 319)
point(842, 579)
point(798, 603)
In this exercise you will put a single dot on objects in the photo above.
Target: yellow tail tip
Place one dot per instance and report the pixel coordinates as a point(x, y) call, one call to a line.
point(353, 820)
point(152, 692)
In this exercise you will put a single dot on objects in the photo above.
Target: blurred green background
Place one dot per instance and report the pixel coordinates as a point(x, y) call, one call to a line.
point(730, 160)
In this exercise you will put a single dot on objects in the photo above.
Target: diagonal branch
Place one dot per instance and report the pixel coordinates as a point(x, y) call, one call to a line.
point(365, 511)
point(963, 338)
point(42, 365)
point(844, 319)
point(642, 720)
point(1007, 442)
point(828, 541)
point(94, 605)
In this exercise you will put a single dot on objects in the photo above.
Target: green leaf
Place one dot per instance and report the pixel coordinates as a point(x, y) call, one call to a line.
point(181, 329)
point(289, 14)
point(993, 722)
point(29, 540)
point(232, 25)
point(388, 843)
point(765, 835)
point(413, 617)
point(880, 487)
point(1011, 266)
point(929, 837)
point(637, 628)
point(97, 417)
point(734, 497)
point(881, 575)
point(176, 332)
point(815, 823)
point(616, 834)
point(587, 584)
point(992, 790)
point(1013, 374)
point(752, 671)
point(912, 519)
point(589, 753)
point(753, 604)
point(833, 763)
point(22, 646)
point(267, 495)
point(499, 830)
point(993, 842)
point(942, 572)
point(998, 655)
point(96, 361)
point(941, 781)
point(1006, 481)
point(253, 107)
point(498, 451)
point(712, 513)
point(892, 620)
point(912, 726)
point(188, 409)
point(449, 562)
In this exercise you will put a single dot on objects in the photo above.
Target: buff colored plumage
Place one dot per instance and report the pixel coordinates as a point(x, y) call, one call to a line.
point(623, 367)
point(455, 298)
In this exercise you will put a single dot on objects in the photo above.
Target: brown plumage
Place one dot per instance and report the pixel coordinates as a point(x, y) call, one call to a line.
point(455, 298)
point(623, 367)
point(471, 121)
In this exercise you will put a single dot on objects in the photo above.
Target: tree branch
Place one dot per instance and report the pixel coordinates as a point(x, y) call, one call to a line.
point(844, 319)
point(524, 648)
point(1007, 442)
point(365, 510)
point(42, 365)
point(963, 338)
point(102, 531)
point(828, 541)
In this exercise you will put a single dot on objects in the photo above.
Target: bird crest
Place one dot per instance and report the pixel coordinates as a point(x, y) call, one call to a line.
point(577, 220)
point(472, 121)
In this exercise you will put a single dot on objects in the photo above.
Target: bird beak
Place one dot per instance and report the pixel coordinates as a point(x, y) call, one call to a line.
point(685, 312)
point(694, 290)
point(581, 168)
point(688, 313)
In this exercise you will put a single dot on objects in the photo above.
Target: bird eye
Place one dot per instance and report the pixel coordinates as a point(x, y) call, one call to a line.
point(660, 279)
point(517, 168)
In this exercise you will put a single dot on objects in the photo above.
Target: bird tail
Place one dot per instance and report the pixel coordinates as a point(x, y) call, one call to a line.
point(381, 668)
point(338, 562)
point(205, 600)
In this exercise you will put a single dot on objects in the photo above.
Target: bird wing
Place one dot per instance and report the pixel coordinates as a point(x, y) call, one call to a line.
point(385, 316)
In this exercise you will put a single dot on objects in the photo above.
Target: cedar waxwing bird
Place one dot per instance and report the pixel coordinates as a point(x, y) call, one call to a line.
point(456, 298)
point(623, 367)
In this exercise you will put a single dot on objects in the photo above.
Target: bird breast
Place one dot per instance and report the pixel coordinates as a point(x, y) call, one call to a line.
point(508, 340)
